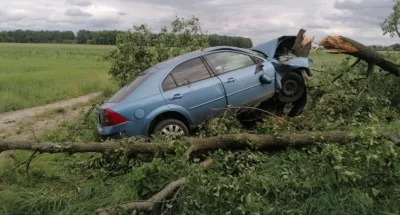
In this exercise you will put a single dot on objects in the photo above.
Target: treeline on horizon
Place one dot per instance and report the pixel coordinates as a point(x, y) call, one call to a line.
point(106, 37)
point(394, 47)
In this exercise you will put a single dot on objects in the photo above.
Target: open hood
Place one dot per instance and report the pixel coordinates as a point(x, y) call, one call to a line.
point(276, 47)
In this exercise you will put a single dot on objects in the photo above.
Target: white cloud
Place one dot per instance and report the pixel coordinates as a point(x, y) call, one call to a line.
point(76, 12)
point(79, 2)
point(260, 20)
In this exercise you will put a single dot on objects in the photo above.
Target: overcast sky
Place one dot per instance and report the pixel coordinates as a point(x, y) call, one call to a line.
point(260, 20)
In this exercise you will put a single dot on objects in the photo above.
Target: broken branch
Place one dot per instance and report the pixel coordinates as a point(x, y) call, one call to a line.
point(147, 206)
point(344, 45)
point(352, 65)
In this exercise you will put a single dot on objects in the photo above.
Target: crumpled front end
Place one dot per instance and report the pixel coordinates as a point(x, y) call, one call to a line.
point(279, 53)
point(290, 62)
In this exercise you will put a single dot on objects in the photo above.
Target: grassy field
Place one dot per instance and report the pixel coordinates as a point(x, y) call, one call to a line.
point(322, 57)
point(38, 74)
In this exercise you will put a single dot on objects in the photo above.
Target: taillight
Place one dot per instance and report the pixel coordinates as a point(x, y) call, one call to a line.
point(113, 118)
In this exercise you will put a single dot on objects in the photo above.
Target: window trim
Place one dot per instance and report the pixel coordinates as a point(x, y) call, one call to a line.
point(258, 52)
point(176, 83)
point(222, 51)
point(162, 83)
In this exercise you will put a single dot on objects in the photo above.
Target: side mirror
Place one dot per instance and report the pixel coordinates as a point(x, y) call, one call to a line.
point(265, 79)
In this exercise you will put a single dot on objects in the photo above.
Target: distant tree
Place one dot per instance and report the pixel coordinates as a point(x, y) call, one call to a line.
point(104, 37)
point(82, 36)
point(395, 47)
point(29, 36)
point(68, 35)
point(223, 40)
point(391, 24)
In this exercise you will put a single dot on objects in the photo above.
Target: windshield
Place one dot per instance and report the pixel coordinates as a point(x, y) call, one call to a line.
point(128, 89)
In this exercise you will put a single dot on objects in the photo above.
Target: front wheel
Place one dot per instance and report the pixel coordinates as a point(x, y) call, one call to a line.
point(293, 88)
point(168, 126)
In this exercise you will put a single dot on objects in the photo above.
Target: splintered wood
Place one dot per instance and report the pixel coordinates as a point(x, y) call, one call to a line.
point(302, 45)
point(336, 44)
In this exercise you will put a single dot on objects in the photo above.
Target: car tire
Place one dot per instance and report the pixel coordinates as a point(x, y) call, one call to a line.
point(293, 88)
point(171, 125)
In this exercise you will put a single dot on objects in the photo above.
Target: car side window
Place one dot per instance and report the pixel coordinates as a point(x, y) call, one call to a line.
point(189, 72)
point(168, 83)
point(223, 62)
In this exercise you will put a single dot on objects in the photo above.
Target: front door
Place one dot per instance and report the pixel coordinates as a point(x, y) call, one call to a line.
point(191, 86)
point(240, 77)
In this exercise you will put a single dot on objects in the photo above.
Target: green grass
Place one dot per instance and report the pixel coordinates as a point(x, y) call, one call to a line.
point(322, 57)
point(395, 127)
point(38, 74)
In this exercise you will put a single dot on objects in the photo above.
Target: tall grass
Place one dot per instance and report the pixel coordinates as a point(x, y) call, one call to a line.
point(38, 74)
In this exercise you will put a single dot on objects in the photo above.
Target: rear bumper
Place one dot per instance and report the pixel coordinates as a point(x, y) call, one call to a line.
point(127, 129)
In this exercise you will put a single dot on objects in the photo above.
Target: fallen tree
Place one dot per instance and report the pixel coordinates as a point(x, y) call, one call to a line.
point(232, 141)
point(344, 45)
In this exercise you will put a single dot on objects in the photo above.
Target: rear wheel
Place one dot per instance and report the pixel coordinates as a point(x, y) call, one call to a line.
point(293, 88)
point(168, 126)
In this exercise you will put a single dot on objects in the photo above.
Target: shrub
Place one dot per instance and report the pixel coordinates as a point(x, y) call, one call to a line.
point(138, 50)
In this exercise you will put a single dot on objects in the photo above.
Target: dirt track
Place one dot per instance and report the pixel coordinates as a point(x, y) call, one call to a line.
point(27, 118)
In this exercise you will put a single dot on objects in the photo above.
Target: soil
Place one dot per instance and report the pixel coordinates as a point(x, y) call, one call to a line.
point(35, 120)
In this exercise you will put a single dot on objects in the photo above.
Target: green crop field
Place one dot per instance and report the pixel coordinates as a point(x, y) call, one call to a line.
point(322, 57)
point(38, 74)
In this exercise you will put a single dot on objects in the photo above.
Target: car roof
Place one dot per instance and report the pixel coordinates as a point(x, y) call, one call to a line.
point(159, 71)
point(169, 64)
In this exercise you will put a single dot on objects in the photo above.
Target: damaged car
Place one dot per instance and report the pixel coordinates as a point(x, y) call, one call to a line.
point(178, 94)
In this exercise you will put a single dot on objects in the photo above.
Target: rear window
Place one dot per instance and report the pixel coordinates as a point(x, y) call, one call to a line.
point(128, 89)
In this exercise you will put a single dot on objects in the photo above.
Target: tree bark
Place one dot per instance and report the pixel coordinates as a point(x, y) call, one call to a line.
point(147, 206)
point(232, 141)
point(344, 45)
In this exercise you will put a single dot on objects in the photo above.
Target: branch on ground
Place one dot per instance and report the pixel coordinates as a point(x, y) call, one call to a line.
point(149, 205)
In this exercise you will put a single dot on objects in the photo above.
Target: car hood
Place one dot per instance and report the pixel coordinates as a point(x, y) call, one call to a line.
point(272, 46)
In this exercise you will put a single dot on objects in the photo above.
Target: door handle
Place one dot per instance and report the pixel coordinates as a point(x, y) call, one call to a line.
point(176, 96)
point(231, 80)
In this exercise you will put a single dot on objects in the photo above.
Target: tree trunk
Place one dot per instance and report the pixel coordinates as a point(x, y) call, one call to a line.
point(232, 141)
point(344, 45)
point(302, 45)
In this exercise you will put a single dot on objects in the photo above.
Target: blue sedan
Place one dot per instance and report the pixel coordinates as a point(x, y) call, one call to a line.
point(180, 93)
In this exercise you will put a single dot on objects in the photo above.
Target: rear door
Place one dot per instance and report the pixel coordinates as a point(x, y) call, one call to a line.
point(237, 71)
point(192, 86)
